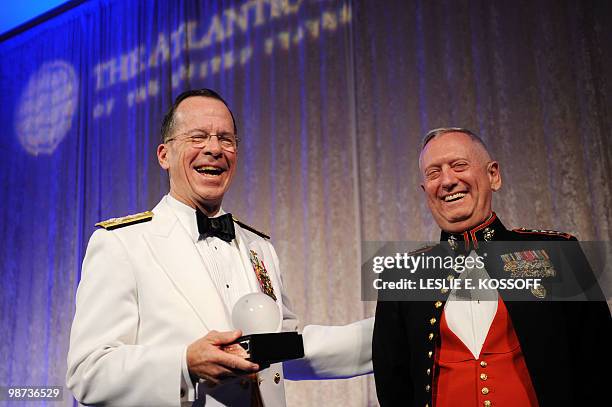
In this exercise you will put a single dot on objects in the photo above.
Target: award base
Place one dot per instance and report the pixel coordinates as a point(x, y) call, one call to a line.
point(265, 349)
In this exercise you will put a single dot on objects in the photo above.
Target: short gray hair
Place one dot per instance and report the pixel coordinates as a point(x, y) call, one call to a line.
point(431, 134)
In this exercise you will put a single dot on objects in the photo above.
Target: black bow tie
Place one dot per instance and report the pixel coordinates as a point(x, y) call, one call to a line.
point(222, 226)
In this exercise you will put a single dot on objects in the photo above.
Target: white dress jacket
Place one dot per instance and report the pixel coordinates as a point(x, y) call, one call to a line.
point(145, 294)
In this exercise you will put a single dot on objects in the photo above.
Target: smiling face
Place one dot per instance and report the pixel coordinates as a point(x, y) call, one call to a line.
point(459, 179)
point(199, 177)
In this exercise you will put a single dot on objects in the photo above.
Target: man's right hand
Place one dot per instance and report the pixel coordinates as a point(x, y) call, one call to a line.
point(206, 359)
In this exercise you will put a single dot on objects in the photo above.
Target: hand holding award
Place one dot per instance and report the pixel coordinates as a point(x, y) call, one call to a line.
point(259, 318)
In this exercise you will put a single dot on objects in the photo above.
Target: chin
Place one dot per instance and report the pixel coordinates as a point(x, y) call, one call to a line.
point(455, 223)
point(211, 197)
point(456, 216)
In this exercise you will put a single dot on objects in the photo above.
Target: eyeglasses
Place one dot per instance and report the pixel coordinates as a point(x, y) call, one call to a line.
point(227, 141)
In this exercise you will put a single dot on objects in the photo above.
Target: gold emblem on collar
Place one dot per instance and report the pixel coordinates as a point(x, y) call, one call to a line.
point(488, 234)
point(452, 241)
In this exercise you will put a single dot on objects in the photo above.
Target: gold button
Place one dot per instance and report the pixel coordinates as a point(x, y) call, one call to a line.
point(428, 372)
point(450, 277)
point(426, 405)
point(432, 321)
point(429, 354)
point(430, 336)
point(483, 376)
point(487, 403)
point(444, 290)
point(483, 363)
point(438, 304)
point(277, 378)
point(485, 390)
point(427, 388)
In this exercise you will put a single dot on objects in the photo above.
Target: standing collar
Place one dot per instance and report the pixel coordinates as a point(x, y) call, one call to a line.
point(187, 216)
point(489, 230)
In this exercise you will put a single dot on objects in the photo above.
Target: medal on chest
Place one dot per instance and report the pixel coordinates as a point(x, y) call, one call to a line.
point(262, 275)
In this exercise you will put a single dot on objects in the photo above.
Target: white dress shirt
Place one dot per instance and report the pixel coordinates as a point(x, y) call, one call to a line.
point(221, 259)
point(470, 313)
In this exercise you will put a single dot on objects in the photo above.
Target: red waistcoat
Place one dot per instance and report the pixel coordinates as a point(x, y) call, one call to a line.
point(498, 378)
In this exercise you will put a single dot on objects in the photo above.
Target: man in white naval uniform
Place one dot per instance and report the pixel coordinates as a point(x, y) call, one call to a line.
point(153, 307)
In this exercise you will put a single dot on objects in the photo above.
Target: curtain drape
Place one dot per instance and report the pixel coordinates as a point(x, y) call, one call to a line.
point(331, 98)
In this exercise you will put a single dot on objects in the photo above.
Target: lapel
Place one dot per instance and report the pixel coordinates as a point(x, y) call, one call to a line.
point(245, 244)
point(174, 251)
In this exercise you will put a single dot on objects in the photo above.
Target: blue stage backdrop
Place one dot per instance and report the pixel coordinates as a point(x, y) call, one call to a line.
point(331, 97)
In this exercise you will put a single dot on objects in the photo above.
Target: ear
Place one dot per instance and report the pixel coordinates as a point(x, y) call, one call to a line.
point(162, 156)
point(494, 174)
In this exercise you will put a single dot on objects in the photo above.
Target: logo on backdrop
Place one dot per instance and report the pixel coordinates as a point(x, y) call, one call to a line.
point(284, 25)
point(47, 104)
point(46, 107)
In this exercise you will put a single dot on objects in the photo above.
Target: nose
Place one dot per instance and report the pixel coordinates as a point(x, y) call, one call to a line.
point(448, 180)
point(212, 146)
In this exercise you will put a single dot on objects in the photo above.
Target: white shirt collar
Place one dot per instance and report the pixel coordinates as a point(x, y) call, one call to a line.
point(187, 216)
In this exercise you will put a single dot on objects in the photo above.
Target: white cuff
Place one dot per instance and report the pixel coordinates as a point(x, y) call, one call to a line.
point(187, 389)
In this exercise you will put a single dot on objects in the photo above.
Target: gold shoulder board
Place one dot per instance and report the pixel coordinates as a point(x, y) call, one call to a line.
point(424, 249)
point(114, 223)
point(250, 228)
point(543, 232)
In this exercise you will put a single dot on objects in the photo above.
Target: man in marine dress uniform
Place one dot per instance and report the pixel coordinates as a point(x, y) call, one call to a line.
point(491, 347)
point(153, 309)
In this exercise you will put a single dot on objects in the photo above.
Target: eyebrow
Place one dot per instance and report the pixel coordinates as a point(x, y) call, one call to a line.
point(445, 160)
point(208, 132)
point(453, 160)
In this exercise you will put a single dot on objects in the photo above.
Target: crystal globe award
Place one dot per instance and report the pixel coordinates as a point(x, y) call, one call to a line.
point(259, 318)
